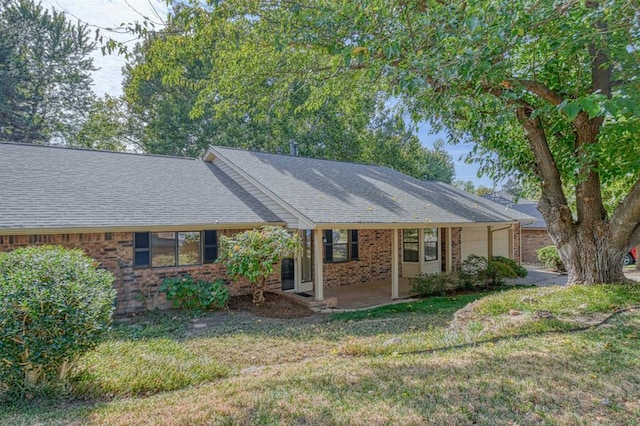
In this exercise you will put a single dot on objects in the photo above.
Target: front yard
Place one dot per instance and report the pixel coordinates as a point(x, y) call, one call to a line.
point(509, 358)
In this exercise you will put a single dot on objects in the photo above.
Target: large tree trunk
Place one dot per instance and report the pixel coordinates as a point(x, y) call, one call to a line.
point(591, 249)
point(587, 253)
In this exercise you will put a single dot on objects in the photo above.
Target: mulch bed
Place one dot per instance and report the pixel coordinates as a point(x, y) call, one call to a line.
point(274, 306)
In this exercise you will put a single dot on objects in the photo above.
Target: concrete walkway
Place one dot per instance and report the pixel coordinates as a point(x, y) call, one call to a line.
point(541, 277)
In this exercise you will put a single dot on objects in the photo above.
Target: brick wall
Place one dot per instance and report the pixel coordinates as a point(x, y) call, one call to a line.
point(532, 240)
point(456, 248)
point(374, 261)
point(137, 289)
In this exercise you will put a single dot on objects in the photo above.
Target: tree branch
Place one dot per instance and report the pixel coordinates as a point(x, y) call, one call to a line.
point(541, 90)
point(625, 220)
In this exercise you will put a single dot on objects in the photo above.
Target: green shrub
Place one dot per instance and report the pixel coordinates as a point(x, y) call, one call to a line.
point(425, 285)
point(473, 270)
point(477, 270)
point(550, 257)
point(187, 293)
point(518, 270)
point(55, 305)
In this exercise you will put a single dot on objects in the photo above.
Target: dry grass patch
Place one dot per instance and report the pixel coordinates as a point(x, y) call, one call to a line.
point(307, 374)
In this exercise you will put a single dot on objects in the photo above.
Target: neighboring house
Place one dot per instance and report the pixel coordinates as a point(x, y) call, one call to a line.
point(148, 217)
point(534, 234)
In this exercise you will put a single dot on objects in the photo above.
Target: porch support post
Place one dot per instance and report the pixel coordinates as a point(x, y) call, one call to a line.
point(394, 264)
point(318, 280)
point(449, 249)
point(489, 244)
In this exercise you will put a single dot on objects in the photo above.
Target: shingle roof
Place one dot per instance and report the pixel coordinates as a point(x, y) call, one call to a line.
point(523, 205)
point(53, 187)
point(339, 192)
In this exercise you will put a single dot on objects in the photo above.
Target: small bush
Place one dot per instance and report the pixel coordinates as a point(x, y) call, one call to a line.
point(518, 270)
point(477, 270)
point(425, 285)
point(550, 257)
point(473, 270)
point(55, 305)
point(187, 293)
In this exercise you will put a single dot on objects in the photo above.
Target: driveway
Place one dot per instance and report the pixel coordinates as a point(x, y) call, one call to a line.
point(539, 276)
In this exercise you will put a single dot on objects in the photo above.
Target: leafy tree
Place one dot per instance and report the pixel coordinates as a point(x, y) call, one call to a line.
point(187, 91)
point(483, 190)
point(251, 255)
point(547, 89)
point(44, 72)
point(108, 126)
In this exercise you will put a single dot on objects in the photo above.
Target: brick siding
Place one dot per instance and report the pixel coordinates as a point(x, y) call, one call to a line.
point(374, 261)
point(532, 240)
point(137, 288)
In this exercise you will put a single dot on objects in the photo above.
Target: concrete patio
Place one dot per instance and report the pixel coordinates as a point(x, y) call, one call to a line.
point(378, 293)
point(367, 295)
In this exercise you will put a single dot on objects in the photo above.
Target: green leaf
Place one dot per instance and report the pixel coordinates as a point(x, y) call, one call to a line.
point(571, 109)
point(590, 106)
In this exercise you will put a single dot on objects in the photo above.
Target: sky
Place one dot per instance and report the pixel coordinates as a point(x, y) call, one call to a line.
point(108, 78)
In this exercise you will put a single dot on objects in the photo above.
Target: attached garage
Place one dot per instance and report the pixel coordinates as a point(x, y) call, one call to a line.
point(475, 240)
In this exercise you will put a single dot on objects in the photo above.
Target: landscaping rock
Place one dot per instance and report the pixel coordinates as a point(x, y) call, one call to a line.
point(543, 315)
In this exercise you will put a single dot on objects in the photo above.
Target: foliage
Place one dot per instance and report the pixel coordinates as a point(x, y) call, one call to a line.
point(192, 90)
point(545, 90)
point(44, 73)
point(425, 285)
point(477, 270)
point(109, 126)
point(516, 270)
point(251, 255)
point(549, 256)
point(473, 270)
point(186, 293)
point(55, 306)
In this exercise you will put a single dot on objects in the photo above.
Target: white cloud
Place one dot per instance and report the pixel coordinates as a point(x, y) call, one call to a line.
point(109, 14)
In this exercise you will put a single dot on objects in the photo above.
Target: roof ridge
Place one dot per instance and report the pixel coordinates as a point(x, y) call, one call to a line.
point(298, 156)
point(102, 151)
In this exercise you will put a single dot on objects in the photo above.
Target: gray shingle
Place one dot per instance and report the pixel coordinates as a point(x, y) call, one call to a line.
point(52, 187)
point(339, 192)
point(523, 205)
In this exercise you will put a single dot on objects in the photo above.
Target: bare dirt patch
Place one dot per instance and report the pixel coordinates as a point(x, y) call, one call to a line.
point(274, 306)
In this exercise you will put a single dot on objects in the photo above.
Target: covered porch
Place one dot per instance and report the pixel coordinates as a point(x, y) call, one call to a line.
point(369, 294)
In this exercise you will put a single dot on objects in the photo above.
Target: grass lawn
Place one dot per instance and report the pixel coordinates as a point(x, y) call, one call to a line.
point(498, 361)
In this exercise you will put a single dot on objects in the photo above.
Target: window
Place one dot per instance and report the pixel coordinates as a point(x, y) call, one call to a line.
point(410, 245)
point(430, 244)
point(340, 245)
point(411, 240)
point(210, 246)
point(188, 248)
point(141, 253)
point(164, 249)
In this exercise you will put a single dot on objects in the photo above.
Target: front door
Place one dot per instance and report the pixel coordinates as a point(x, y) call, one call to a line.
point(306, 262)
point(287, 274)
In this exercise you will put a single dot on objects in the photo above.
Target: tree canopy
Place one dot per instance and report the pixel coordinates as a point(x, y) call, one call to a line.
point(544, 89)
point(44, 72)
point(193, 89)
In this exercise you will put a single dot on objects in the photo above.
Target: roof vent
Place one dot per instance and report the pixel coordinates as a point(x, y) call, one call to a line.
point(293, 148)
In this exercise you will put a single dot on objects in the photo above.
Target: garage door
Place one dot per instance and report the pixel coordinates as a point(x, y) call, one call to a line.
point(474, 241)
